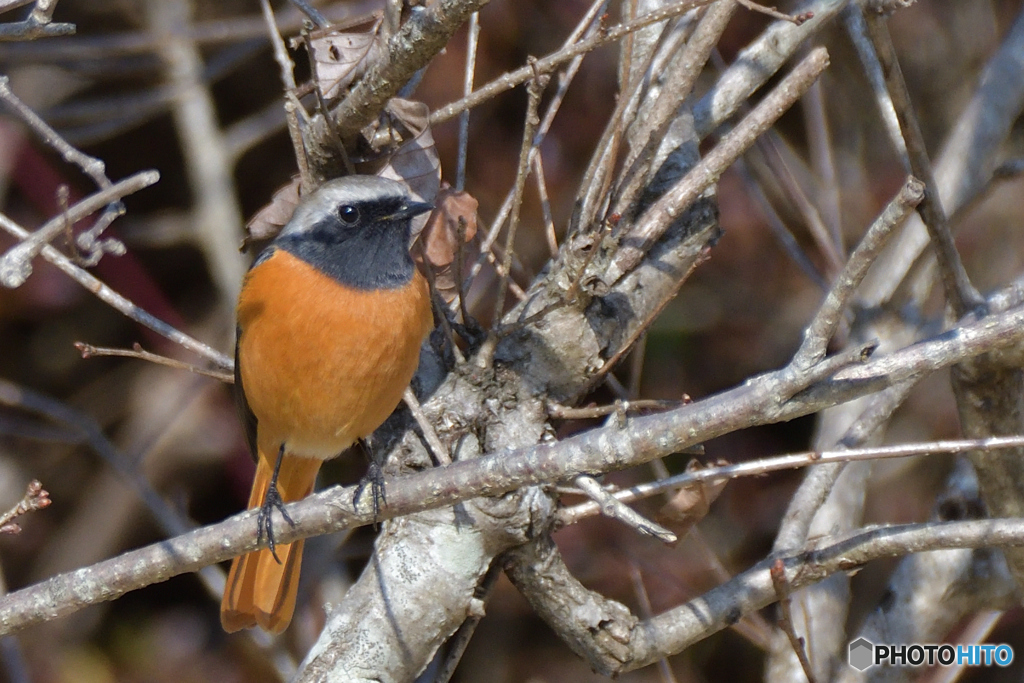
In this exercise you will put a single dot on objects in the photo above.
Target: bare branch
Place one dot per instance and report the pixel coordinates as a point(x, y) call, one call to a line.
point(553, 61)
point(90, 351)
point(655, 220)
point(757, 62)
point(782, 591)
point(115, 300)
point(762, 466)
point(16, 264)
point(610, 506)
point(960, 293)
point(36, 25)
point(826, 321)
point(677, 629)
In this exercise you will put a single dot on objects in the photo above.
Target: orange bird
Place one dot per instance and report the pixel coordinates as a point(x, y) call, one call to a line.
point(330, 320)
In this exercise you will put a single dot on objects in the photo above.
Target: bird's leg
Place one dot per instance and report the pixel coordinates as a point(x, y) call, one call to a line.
point(264, 520)
point(375, 478)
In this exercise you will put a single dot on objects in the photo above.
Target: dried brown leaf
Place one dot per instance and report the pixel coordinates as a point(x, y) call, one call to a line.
point(415, 162)
point(441, 237)
point(269, 220)
point(341, 57)
point(451, 225)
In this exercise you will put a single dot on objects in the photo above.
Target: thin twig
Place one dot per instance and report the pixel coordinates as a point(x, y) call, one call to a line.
point(545, 205)
point(36, 25)
point(16, 264)
point(756, 63)
point(585, 27)
point(102, 47)
point(763, 466)
point(553, 61)
point(312, 12)
point(646, 612)
point(531, 121)
point(785, 621)
point(436, 447)
point(87, 431)
point(597, 179)
point(91, 166)
point(605, 370)
point(116, 301)
point(819, 482)
point(615, 509)
point(423, 35)
point(681, 72)
point(35, 498)
point(960, 293)
point(287, 67)
point(325, 112)
point(857, 30)
point(441, 310)
point(819, 142)
point(90, 351)
point(774, 13)
point(826, 320)
point(472, 40)
point(779, 229)
point(768, 145)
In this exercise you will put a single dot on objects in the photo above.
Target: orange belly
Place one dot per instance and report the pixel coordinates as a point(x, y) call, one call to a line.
point(323, 365)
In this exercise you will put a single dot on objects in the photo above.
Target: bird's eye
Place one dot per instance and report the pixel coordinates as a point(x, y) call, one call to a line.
point(348, 214)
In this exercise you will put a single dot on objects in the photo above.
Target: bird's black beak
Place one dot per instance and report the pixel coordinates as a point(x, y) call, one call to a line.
point(411, 208)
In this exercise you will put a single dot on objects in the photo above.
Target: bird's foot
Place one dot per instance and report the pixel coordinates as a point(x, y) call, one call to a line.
point(265, 517)
point(374, 478)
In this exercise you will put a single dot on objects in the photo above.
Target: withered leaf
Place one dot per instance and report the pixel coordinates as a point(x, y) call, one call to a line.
point(416, 161)
point(269, 220)
point(454, 213)
point(340, 57)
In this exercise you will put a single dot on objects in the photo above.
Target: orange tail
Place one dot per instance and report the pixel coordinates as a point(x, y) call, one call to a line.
point(259, 590)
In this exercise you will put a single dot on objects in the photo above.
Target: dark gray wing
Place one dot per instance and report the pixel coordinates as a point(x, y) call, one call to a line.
point(245, 414)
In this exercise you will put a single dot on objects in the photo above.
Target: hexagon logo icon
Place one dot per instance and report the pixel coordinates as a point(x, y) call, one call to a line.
point(862, 654)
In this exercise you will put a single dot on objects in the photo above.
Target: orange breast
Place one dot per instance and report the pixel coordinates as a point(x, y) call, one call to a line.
point(322, 364)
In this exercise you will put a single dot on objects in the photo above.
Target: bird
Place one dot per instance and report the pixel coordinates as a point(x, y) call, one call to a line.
point(330, 319)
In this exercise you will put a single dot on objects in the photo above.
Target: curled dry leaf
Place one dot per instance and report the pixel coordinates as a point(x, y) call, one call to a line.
point(405, 128)
point(452, 225)
point(340, 57)
point(269, 220)
point(692, 502)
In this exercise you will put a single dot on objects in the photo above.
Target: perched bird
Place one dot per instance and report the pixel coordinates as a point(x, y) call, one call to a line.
point(331, 317)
